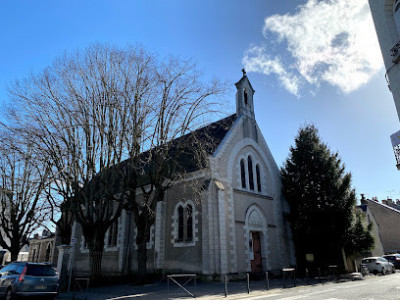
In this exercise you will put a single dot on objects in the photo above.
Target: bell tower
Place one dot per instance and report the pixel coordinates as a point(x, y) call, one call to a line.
point(244, 97)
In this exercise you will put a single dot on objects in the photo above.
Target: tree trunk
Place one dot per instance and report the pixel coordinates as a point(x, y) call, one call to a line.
point(142, 262)
point(64, 231)
point(96, 256)
point(142, 238)
point(14, 249)
point(95, 241)
point(14, 255)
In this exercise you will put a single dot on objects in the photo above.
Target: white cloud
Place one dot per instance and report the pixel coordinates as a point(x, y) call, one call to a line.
point(330, 41)
point(256, 59)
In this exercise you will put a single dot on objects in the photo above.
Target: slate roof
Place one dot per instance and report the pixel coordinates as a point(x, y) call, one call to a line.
point(181, 157)
point(182, 153)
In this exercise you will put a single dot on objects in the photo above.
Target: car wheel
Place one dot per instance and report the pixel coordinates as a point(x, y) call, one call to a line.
point(8, 295)
point(383, 271)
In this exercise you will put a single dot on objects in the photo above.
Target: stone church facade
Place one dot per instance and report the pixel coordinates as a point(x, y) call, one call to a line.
point(239, 226)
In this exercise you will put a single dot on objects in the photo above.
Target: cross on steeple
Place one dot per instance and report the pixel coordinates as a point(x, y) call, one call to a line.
point(244, 72)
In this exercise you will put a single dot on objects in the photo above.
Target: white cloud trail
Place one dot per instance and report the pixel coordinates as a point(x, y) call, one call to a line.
point(331, 41)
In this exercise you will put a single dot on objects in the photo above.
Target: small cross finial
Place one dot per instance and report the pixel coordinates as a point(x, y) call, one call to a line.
point(244, 72)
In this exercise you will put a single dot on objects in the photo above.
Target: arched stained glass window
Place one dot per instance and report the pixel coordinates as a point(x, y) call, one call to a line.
point(184, 225)
point(258, 178)
point(243, 173)
point(251, 176)
point(189, 223)
point(180, 223)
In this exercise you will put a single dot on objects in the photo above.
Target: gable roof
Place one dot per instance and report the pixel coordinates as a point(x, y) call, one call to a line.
point(211, 136)
point(183, 153)
point(241, 80)
point(181, 156)
point(383, 206)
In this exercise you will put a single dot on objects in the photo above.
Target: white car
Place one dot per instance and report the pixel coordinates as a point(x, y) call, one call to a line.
point(377, 265)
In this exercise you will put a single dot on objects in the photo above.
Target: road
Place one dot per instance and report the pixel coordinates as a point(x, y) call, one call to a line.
point(371, 288)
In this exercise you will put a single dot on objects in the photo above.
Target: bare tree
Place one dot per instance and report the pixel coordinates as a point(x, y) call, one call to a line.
point(86, 113)
point(183, 104)
point(22, 209)
point(102, 117)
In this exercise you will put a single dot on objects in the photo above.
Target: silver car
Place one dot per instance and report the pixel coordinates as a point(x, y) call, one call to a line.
point(28, 279)
point(377, 265)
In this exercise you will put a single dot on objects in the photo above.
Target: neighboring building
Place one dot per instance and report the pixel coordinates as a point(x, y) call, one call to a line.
point(41, 248)
point(377, 249)
point(5, 256)
point(22, 255)
point(353, 262)
point(387, 220)
point(386, 16)
point(238, 227)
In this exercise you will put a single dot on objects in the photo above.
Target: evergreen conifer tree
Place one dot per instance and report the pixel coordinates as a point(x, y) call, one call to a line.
point(321, 199)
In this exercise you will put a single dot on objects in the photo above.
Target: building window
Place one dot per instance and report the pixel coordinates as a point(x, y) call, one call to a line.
point(189, 223)
point(48, 252)
point(183, 226)
point(180, 223)
point(258, 178)
point(245, 97)
point(113, 234)
point(251, 176)
point(34, 258)
point(243, 173)
point(185, 223)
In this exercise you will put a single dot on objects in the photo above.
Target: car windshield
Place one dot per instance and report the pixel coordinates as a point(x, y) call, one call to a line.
point(38, 270)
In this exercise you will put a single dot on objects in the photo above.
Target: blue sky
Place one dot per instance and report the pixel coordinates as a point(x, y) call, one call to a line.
point(309, 61)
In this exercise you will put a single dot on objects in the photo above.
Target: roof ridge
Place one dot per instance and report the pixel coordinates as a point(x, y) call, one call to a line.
point(384, 205)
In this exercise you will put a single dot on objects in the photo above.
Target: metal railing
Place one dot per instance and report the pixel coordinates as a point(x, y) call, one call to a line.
point(395, 50)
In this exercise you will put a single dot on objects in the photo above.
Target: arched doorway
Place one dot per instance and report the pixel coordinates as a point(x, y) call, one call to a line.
point(256, 240)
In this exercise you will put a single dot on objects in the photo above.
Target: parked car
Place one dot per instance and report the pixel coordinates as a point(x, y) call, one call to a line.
point(394, 259)
point(28, 279)
point(378, 265)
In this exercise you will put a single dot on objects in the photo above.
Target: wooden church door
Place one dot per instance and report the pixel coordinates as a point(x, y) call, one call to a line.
point(256, 263)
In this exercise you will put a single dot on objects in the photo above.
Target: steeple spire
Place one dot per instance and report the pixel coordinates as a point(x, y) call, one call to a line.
point(244, 96)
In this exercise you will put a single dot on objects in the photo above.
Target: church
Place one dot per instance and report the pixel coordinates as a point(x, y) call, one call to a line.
point(238, 227)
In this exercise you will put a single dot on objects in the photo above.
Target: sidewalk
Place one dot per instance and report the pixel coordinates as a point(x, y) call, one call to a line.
point(204, 290)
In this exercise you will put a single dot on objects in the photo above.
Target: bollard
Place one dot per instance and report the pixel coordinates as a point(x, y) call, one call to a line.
point(248, 283)
point(226, 285)
point(319, 275)
point(308, 277)
point(266, 277)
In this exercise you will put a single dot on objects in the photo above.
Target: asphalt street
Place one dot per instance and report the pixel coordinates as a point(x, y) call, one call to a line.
point(370, 288)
